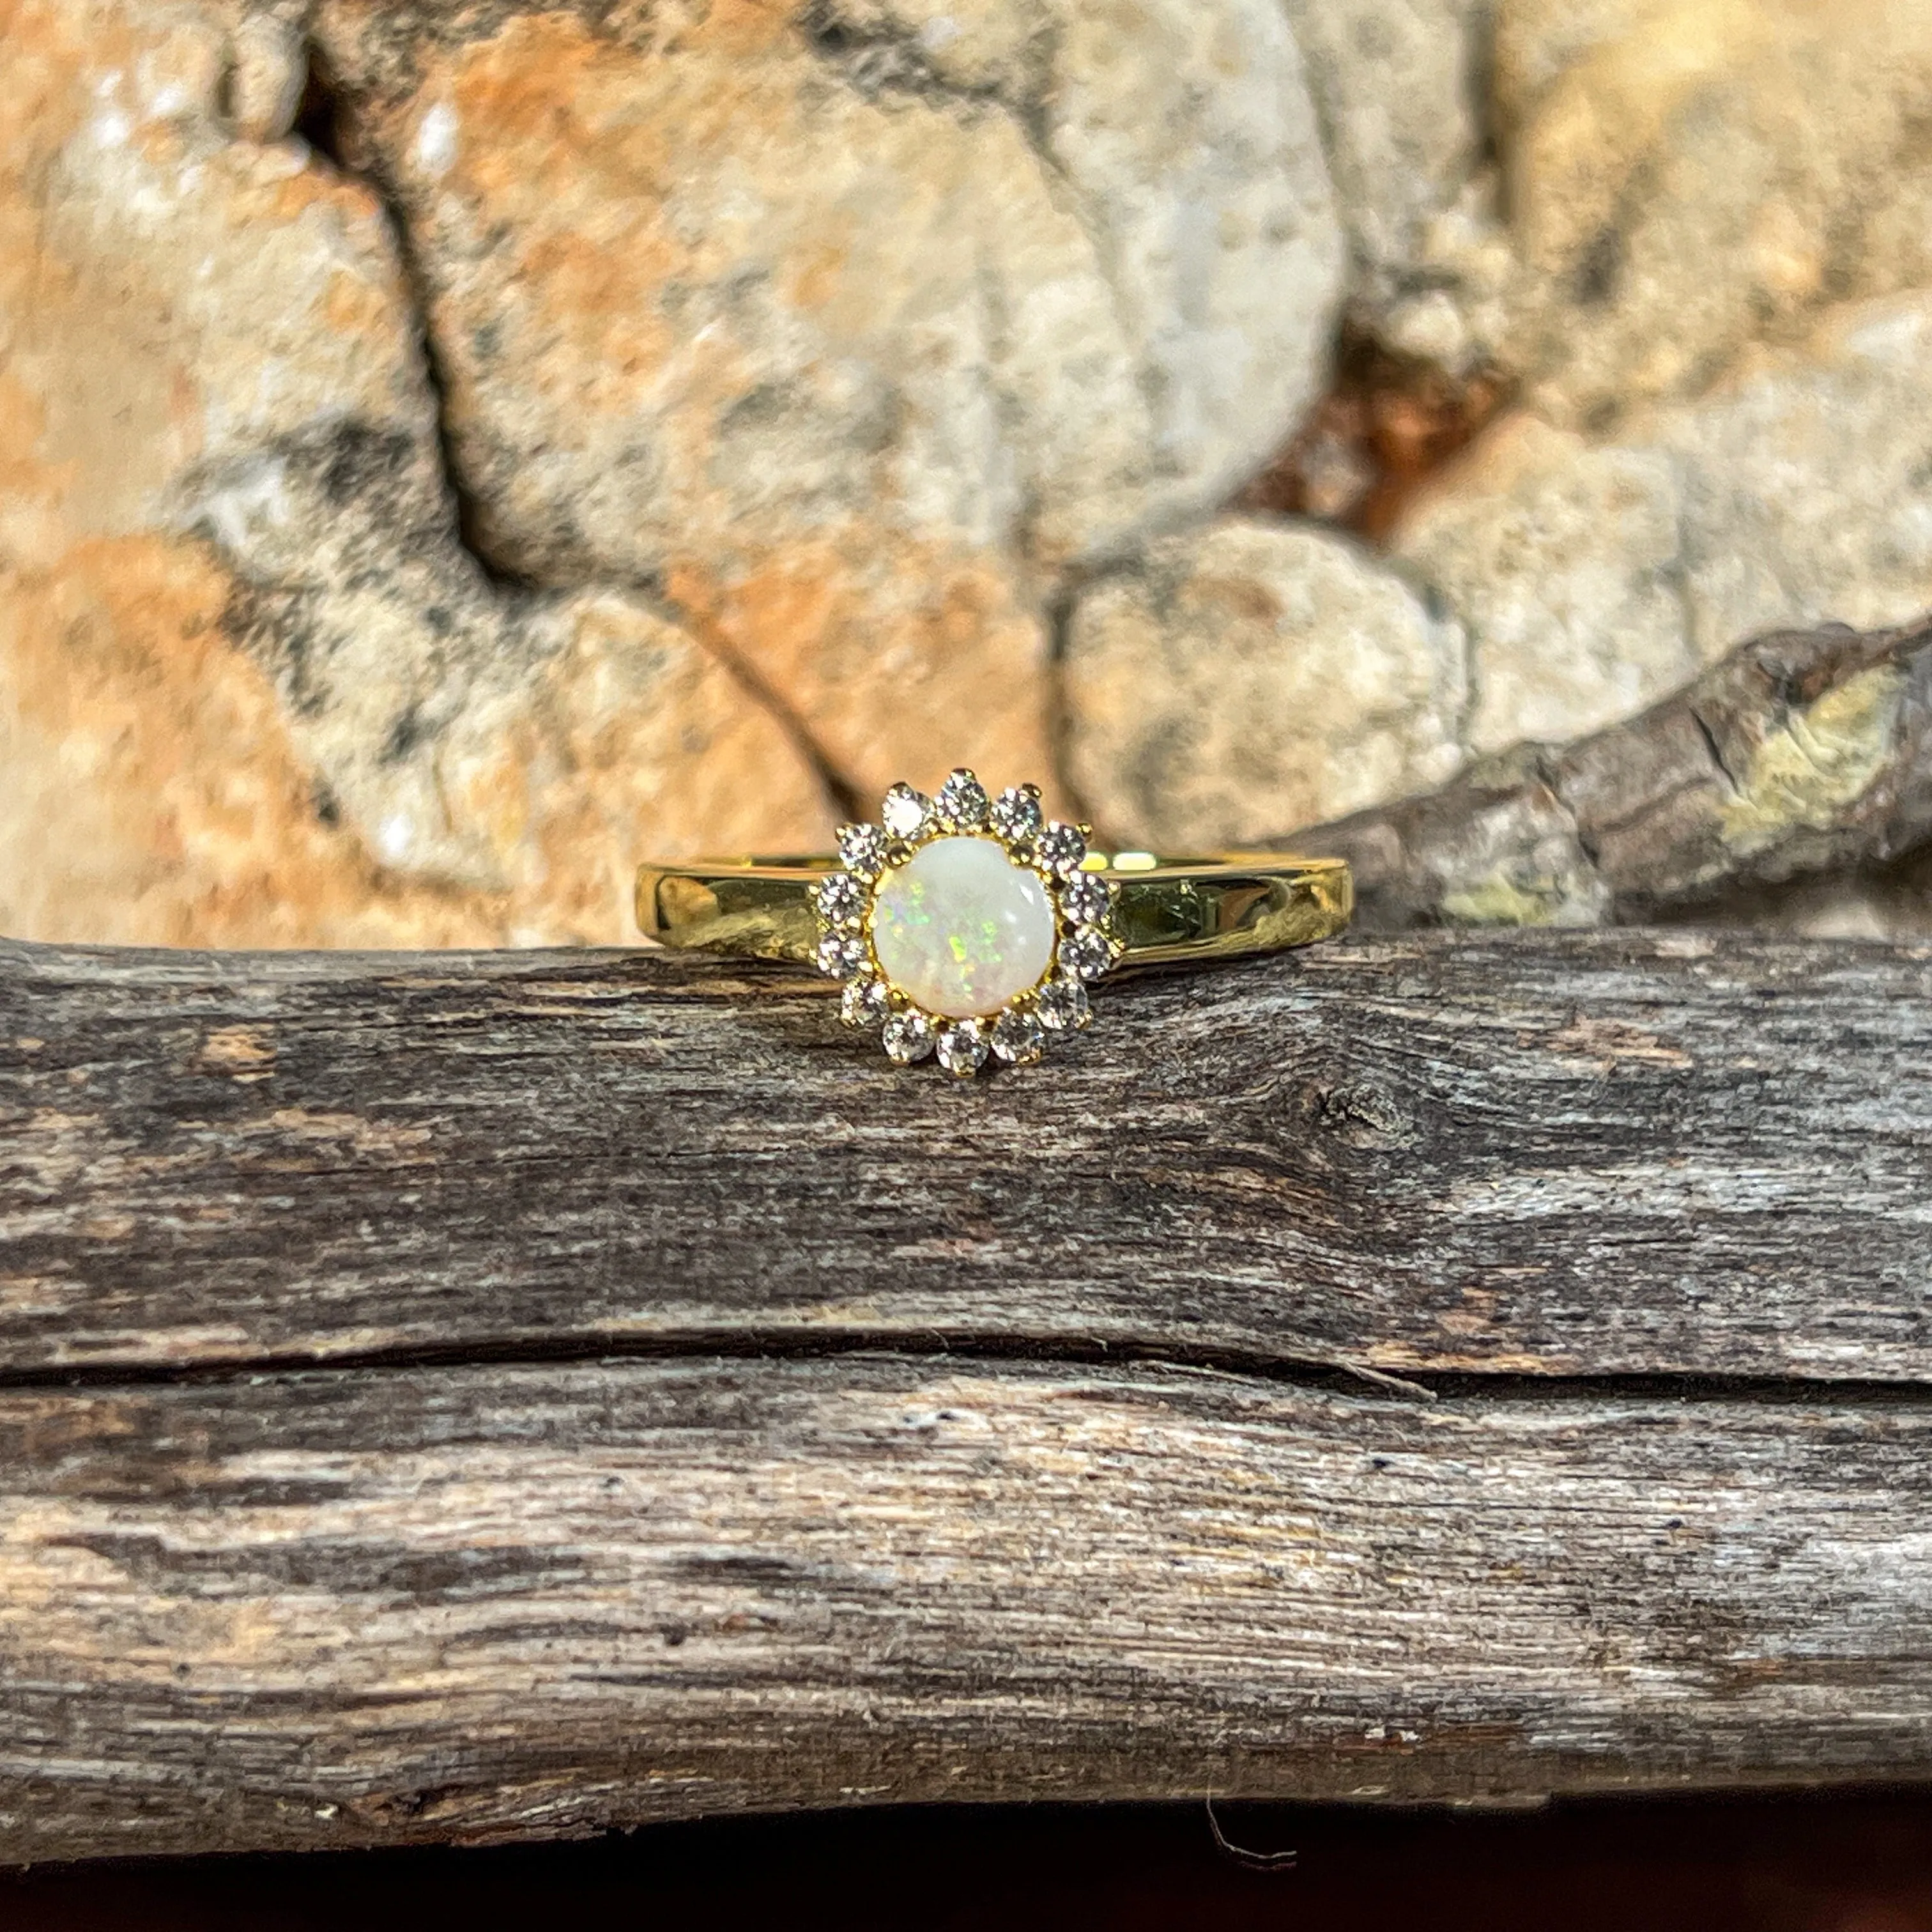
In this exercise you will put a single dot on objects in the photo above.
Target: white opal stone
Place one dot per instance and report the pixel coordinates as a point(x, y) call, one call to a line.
point(959, 928)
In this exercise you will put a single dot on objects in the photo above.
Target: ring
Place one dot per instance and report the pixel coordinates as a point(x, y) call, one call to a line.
point(970, 927)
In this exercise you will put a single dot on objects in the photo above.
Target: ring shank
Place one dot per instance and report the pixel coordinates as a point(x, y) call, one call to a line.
point(1164, 909)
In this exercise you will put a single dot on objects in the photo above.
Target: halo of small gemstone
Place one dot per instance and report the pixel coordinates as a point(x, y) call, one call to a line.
point(991, 950)
point(907, 1036)
point(863, 850)
point(865, 1003)
point(1061, 848)
point(962, 1048)
point(905, 811)
point(1086, 898)
point(841, 899)
point(1016, 814)
point(1063, 1005)
point(1017, 1036)
point(962, 802)
point(1086, 955)
point(841, 955)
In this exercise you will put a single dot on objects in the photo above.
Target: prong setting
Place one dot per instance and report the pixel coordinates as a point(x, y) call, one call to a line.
point(1016, 1031)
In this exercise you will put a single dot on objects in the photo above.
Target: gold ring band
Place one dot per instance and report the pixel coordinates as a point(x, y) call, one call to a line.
point(970, 926)
point(1165, 909)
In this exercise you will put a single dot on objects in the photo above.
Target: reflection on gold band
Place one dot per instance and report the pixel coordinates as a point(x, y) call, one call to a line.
point(1164, 909)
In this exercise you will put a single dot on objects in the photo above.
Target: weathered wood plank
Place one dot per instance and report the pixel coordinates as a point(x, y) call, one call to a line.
point(1542, 1153)
point(373, 1606)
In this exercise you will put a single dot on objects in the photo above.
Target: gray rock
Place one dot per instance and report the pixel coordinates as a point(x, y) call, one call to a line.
point(1562, 561)
point(1251, 677)
point(1689, 178)
point(1595, 578)
point(1400, 85)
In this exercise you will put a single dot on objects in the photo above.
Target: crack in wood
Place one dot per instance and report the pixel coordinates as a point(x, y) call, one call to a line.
point(1332, 1377)
point(490, 1395)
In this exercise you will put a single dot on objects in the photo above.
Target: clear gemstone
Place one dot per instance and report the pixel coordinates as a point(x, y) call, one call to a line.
point(1061, 848)
point(841, 899)
point(863, 1002)
point(904, 811)
point(962, 801)
point(1062, 1007)
point(840, 954)
point(1086, 955)
point(962, 1047)
point(1086, 898)
point(862, 847)
point(1016, 814)
point(907, 1037)
point(960, 929)
point(1018, 1037)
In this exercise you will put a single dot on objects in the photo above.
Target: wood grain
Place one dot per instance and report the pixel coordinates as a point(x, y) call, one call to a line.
point(362, 1606)
point(507, 1395)
point(1804, 754)
point(1582, 1154)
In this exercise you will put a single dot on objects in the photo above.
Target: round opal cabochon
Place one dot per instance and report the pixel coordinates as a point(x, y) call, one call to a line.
point(959, 928)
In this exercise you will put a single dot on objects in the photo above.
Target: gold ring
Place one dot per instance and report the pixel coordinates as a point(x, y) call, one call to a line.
point(971, 927)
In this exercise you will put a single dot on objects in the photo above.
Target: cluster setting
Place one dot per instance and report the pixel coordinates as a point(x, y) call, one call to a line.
point(965, 926)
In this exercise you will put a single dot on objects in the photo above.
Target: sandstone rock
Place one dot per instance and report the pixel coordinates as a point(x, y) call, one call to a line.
point(223, 487)
point(1250, 678)
point(148, 792)
point(794, 359)
point(1687, 178)
point(1807, 495)
point(268, 74)
point(843, 323)
point(1595, 578)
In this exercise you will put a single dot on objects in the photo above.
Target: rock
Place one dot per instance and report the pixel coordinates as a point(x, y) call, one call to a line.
point(634, 424)
point(1252, 677)
point(241, 621)
point(631, 741)
point(1807, 495)
point(1797, 764)
point(1399, 83)
point(529, 744)
point(1687, 178)
point(847, 324)
point(1595, 578)
point(1561, 560)
point(268, 76)
point(151, 796)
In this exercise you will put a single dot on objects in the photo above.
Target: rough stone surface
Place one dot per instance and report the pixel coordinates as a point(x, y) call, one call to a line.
point(841, 321)
point(255, 691)
point(1559, 556)
point(1594, 577)
point(1253, 676)
point(1688, 177)
point(447, 452)
point(1798, 764)
point(1399, 85)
